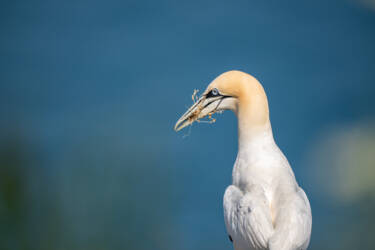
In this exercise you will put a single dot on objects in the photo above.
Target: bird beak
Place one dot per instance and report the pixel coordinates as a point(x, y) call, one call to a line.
point(203, 107)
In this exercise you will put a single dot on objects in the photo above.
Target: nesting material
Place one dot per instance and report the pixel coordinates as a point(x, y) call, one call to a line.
point(194, 96)
point(195, 115)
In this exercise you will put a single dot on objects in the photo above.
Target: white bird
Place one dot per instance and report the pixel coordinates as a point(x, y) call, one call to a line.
point(264, 208)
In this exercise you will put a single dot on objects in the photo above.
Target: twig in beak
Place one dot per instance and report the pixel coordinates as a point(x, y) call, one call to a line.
point(194, 97)
point(211, 120)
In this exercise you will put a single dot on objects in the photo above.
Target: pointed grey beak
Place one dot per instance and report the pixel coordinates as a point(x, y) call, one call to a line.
point(198, 110)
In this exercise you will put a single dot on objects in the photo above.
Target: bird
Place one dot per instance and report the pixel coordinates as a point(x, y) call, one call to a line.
point(264, 207)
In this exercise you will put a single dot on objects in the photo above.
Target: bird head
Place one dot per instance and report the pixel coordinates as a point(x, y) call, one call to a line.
point(232, 90)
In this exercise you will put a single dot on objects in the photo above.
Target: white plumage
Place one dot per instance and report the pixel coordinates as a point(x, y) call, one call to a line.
point(264, 208)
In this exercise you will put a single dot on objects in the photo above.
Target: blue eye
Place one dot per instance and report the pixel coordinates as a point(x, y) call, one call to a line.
point(215, 92)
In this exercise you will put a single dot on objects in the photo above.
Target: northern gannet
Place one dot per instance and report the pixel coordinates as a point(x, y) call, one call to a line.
point(264, 208)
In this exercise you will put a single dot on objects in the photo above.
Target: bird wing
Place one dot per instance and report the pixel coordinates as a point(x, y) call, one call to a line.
point(293, 223)
point(247, 218)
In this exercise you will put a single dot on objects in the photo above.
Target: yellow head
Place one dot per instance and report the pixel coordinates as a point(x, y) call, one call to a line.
point(232, 90)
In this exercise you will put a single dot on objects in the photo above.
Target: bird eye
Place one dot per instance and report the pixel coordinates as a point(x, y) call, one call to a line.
point(215, 92)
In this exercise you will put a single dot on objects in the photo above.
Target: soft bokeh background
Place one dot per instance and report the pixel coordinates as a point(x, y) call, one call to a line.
point(90, 92)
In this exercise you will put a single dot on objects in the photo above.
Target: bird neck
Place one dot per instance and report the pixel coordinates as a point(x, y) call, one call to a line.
point(248, 134)
point(253, 115)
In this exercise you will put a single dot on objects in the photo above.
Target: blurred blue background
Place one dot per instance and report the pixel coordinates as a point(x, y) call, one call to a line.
point(90, 92)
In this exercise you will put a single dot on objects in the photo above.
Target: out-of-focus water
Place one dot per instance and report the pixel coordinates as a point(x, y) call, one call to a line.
point(90, 92)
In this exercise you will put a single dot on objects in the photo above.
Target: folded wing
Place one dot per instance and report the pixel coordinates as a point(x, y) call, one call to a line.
point(247, 218)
